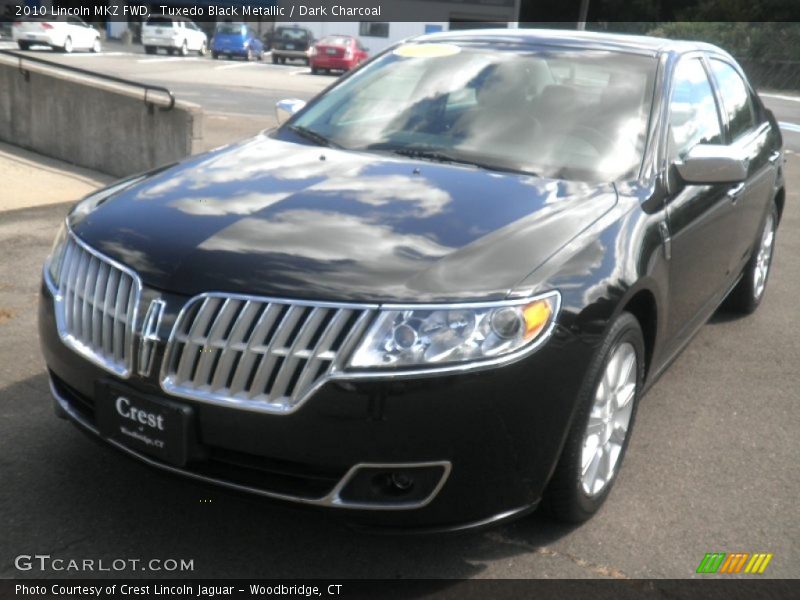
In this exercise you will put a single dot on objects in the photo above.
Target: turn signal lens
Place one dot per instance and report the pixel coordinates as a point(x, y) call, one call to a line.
point(537, 316)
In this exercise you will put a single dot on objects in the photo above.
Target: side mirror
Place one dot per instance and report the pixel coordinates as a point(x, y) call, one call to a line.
point(712, 163)
point(284, 109)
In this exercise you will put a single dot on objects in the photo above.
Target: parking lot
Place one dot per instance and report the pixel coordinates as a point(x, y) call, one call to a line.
point(711, 466)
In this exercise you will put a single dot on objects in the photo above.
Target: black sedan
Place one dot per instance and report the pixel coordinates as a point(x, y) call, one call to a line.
point(432, 297)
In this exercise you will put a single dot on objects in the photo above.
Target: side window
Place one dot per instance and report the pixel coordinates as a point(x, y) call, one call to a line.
point(740, 113)
point(693, 117)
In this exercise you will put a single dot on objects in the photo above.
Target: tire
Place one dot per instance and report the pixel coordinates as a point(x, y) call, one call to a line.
point(214, 55)
point(24, 45)
point(283, 61)
point(274, 60)
point(746, 297)
point(203, 49)
point(314, 71)
point(96, 46)
point(184, 49)
point(67, 47)
point(150, 49)
point(571, 495)
point(171, 51)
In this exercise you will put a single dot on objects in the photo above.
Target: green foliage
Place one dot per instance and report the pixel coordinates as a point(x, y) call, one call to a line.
point(756, 40)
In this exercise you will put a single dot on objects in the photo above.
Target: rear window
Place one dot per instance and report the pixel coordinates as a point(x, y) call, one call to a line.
point(230, 28)
point(160, 21)
point(335, 40)
point(292, 34)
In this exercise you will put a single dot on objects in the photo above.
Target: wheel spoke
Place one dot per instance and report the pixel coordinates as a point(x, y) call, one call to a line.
point(590, 471)
point(609, 419)
point(595, 427)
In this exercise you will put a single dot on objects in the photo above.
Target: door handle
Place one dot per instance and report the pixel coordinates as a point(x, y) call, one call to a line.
point(735, 192)
point(773, 158)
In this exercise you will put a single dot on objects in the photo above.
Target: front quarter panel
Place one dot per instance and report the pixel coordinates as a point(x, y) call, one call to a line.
point(606, 266)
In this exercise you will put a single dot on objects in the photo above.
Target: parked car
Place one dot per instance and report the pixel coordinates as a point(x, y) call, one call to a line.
point(337, 53)
point(173, 34)
point(436, 293)
point(66, 35)
point(236, 39)
point(291, 43)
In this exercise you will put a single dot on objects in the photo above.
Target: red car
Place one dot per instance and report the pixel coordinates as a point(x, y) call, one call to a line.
point(337, 53)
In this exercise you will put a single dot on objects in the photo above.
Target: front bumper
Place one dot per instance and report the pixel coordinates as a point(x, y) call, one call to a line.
point(495, 435)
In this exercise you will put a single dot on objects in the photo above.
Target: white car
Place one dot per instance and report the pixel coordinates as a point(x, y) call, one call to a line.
point(173, 34)
point(67, 34)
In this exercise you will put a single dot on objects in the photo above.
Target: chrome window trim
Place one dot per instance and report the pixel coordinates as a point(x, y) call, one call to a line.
point(331, 500)
point(68, 339)
point(338, 371)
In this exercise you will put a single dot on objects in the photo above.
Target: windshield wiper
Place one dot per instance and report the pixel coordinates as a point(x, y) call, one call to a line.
point(312, 135)
point(446, 157)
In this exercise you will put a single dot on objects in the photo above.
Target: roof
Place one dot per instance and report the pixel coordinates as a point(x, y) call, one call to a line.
point(640, 44)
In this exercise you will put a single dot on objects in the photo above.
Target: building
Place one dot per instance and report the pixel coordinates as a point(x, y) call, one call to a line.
point(431, 16)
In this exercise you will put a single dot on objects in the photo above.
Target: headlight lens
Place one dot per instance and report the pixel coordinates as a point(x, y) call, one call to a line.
point(437, 336)
point(57, 254)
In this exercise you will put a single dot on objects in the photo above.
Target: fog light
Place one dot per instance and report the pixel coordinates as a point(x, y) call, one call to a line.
point(402, 481)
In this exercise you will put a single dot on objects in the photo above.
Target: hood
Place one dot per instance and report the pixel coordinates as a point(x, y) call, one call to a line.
point(274, 218)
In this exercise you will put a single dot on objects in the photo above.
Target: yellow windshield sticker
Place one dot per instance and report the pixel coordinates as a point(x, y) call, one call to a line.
point(426, 50)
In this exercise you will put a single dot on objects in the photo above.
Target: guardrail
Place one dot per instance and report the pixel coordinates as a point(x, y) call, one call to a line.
point(49, 63)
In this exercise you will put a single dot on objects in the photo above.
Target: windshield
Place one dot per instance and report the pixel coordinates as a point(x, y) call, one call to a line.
point(230, 29)
point(561, 113)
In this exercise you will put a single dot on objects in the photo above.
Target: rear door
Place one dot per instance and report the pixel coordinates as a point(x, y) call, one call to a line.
point(749, 131)
point(700, 218)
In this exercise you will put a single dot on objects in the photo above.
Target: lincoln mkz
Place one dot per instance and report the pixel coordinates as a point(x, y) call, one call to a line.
point(433, 296)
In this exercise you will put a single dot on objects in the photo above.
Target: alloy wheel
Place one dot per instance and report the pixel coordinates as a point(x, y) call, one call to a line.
point(764, 257)
point(68, 45)
point(609, 420)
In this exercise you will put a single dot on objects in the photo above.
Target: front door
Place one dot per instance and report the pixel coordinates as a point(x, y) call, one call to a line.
point(701, 218)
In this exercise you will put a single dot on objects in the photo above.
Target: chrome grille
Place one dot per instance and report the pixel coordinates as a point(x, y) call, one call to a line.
point(95, 306)
point(259, 354)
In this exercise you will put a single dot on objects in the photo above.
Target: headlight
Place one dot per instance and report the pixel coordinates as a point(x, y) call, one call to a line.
point(57, 254)
point(437, 336)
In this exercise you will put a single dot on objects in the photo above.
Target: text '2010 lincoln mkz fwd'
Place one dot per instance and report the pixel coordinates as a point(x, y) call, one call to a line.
point(433, 296)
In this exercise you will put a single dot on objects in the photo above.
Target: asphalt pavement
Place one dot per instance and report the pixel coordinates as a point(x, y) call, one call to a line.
point(711, 466)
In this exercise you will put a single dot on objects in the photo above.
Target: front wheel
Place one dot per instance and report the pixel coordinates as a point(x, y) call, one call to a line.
point(67, 47)
point(601, 428)
point(184, 49)
point(150, 49)
point(748, 293)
